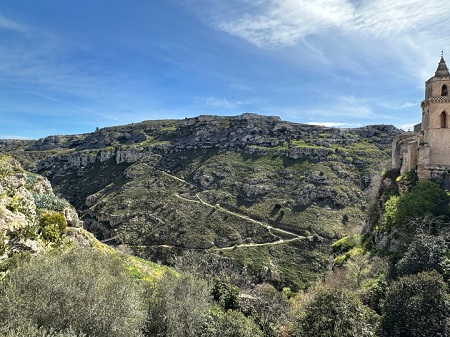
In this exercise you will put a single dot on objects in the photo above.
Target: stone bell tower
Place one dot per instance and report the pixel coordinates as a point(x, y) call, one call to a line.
point(434, 138)
point(427, 150)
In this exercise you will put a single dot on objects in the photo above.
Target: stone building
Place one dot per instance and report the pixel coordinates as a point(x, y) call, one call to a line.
point(427, 149)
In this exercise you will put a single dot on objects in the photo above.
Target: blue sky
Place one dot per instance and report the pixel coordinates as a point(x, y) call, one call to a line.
point(71, 66)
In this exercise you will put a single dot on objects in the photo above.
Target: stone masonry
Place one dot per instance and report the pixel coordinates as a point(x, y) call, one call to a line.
point(427, 149)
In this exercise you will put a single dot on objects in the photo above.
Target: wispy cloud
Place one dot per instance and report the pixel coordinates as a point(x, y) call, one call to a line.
point(219, 102)
point(286, 22)
point(8, 24)
point(346, 106)
point(406, 105)
point(74, 106)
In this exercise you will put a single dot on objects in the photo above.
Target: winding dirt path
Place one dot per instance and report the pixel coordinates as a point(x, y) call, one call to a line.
point(247, 218)
point(199, 200)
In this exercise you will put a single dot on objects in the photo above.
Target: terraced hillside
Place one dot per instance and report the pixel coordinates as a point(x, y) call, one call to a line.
point(268, 195)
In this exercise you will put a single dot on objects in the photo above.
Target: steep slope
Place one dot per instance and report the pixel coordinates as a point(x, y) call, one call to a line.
point(32, 217)
point(271, 195)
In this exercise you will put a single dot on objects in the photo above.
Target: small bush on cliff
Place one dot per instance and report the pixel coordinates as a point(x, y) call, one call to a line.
point(53, 226)
point(231, 324)
point(424, 198)
point(225, 294)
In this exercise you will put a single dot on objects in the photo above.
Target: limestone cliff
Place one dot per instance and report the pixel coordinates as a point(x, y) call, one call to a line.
point(32, 217)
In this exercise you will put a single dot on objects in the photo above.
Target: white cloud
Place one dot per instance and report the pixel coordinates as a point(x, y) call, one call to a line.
point(8, 24)
point(286, 22)
point(347, 108)
point(406, 105)
point(385, 17)
point(219, 102)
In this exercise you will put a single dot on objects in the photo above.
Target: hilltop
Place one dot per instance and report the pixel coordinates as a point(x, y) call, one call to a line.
point(263, 195)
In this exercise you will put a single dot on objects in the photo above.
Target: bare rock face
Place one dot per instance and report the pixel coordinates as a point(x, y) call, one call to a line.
point(269, 275)
point(72, 217)
point(317, 154)
point(254, 190)
point(128, 155)
point(24, 198)
point(327, 196)
point(15, 181)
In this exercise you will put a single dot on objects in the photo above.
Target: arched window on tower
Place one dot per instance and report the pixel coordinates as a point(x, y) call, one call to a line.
point(444, 90)
point(443, 119)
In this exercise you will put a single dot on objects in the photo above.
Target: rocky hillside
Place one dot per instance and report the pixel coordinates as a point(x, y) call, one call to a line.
point(32, 217)
point(268, 195)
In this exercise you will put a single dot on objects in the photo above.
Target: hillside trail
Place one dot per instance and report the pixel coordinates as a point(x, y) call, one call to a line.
point(247, 218)
point(199, 200)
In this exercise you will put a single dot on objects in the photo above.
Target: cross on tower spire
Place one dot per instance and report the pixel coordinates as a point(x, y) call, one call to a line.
point(442, 69)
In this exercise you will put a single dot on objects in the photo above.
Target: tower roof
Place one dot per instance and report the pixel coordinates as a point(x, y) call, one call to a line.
point(442, 69)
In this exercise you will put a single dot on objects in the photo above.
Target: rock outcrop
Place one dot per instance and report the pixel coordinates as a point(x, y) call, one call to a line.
point(25, 199)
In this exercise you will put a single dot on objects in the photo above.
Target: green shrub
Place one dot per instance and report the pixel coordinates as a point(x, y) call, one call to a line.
point(86, 290)
point(15, 261)
point(373, 295)
point(346, 243)
point(336, 312)
point(225, 294)
point(53, 226)
point(32, 180)
point(18, 204)
point(424, 198)
point(30, 330)
point(4, 172)
point(28, 231)
point(341, 259)
point(391, 212)
point(425, 253)
point(410, 176)
point(416, 306)
point(3, 245)
point(231, 324)
point(269, 309)
point(178, 306)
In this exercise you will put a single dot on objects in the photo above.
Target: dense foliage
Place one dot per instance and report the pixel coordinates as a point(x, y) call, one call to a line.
point(336, 312)
point(85, 291)
point(416, 306)
point(424, 198)
point(90, 292)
